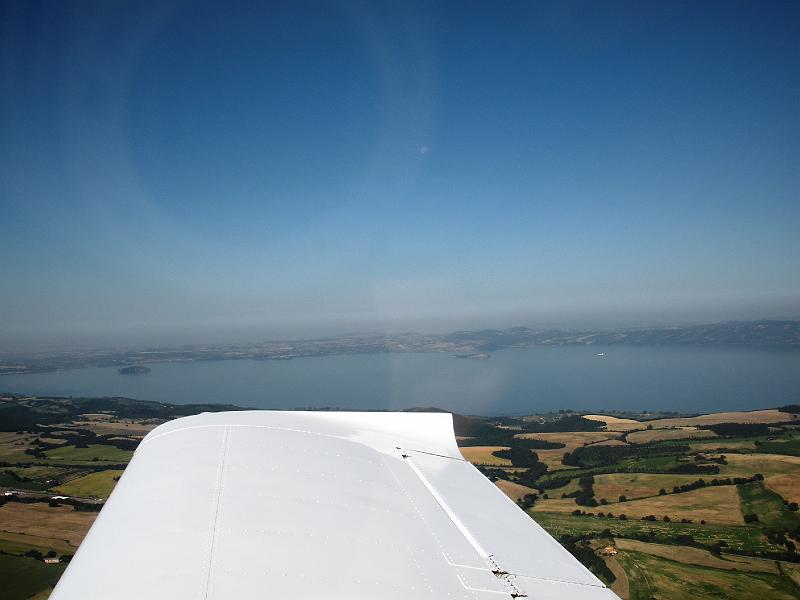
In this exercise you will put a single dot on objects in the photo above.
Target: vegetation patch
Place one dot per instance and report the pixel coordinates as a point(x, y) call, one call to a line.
point(789, 447)
point(571, 439)
point(92, 453)
point(637, 485)
point(648, 436)
point(717, 505)
point(739, 429)
point(736, 538)
point(743, 465)
point(768, 507)
point(23, 577)
point(603, 456)
point(772, 415)
point(519, 457)
point(655, 577)
point(616, 423)
point(484, 455)
point(93, 485)
point(700, 557)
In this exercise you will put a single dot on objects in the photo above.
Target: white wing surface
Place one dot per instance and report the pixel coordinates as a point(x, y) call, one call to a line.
point(334, 505)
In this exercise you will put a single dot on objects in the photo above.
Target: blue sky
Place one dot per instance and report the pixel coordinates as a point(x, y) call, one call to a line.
point(221, 171)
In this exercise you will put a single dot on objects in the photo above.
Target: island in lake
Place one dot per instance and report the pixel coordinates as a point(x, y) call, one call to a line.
point(134, 370)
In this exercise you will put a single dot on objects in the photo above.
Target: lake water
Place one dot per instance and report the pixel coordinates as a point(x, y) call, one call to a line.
point(513, 381)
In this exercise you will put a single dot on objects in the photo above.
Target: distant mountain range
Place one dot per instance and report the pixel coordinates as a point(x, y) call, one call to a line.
point(729, 333)
point(764, 333)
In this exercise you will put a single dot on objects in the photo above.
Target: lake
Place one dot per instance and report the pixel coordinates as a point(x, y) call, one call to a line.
point(515, 381)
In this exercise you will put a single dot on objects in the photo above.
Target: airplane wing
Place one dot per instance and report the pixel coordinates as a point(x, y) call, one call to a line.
point(335, 505)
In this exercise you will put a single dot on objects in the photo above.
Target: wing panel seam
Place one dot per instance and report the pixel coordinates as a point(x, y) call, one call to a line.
point(219, 489)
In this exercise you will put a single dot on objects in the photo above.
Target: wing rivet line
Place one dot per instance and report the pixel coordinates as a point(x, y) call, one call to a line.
point(495, 568)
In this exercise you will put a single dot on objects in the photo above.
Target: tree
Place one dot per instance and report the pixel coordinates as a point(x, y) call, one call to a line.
point(623, 498)
point(793, 506)
point(662, 492)
point(666, 519)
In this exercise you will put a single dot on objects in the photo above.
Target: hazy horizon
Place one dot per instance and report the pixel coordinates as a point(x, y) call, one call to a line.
point(176, 173)
point(250, 333)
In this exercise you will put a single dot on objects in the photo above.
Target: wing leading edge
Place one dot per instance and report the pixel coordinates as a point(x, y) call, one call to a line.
point(315, 505)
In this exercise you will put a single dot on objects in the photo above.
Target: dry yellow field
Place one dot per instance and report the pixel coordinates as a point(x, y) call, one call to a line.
point(621, 585)
point(610, 443)
point(787, 486)
point(771, 415)
point(722, 443)
point(127, 428)
point(552, 458)
point(615, 423)
point(20, 540)
point(697, 556)
point(657, 435)
point(42, 522)
point(636, 485)
point(13, 446)
point(571, 439)
point(513, 490)
point(558, 505)
point(716, 505)
point(745, 465)
point(482, 455)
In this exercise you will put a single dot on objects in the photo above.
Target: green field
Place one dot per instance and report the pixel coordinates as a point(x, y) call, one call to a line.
point(7, 480)
point(17, 543)
point(789, 447)
point(654, 577)
point(649, 464)
point(43, 472)
point(23, 577)
point(740, 539)
point(38, 478)
point(92, 453)
point(95, 485)
point(769, 506)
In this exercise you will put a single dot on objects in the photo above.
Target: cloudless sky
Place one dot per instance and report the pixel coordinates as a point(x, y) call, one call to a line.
point(191, 171)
